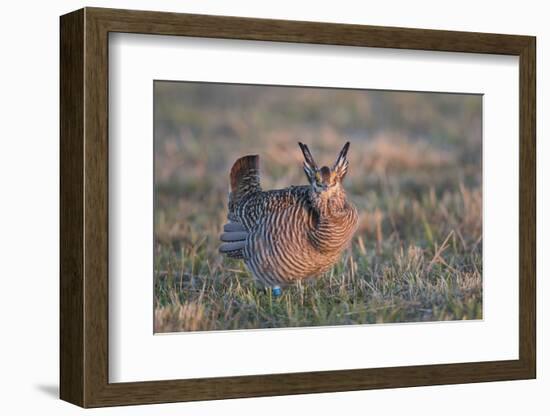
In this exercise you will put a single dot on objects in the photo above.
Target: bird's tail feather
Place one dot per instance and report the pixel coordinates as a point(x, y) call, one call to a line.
point(245, 179)
point(245, 176)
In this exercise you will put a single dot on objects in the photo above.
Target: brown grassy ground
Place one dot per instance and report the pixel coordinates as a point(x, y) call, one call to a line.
point(415, 176)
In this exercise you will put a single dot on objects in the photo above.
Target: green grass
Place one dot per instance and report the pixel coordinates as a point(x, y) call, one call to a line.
point(417, 254)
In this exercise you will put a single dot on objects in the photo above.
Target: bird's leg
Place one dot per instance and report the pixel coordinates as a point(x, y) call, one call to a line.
point(276, 291)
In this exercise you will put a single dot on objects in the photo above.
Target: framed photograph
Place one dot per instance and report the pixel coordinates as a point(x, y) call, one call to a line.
point(255, 207)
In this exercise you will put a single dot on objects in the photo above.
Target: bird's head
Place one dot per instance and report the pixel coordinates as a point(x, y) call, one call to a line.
point(325, 180)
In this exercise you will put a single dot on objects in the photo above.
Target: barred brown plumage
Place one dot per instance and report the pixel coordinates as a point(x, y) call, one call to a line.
point(290, 234)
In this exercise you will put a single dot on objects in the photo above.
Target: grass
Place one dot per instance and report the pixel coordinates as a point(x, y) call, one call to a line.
point(417, 254)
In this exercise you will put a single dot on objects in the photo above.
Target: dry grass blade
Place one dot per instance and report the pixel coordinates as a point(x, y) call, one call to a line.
point(439, 251)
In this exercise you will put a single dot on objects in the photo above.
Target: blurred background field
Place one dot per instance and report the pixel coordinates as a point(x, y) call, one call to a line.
point(415, 177)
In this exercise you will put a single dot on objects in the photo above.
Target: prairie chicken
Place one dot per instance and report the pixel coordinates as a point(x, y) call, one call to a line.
point(286, 235)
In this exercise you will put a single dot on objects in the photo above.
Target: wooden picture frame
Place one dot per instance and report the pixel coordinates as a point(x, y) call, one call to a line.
point(84, 207)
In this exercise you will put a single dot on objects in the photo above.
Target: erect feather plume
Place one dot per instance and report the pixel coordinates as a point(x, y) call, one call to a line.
point(342, 164)
point(309, 163)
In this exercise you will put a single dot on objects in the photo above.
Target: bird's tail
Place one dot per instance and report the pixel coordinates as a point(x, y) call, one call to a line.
point(244, 177)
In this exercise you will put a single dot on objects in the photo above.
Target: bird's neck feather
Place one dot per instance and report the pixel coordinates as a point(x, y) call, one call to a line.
point(330, 203)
